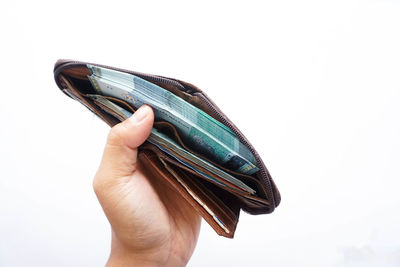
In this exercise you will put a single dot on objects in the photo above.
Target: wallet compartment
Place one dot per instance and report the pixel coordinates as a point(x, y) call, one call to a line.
point(71, 77)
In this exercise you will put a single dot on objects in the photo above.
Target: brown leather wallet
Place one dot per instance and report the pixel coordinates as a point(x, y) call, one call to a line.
point(218, 205)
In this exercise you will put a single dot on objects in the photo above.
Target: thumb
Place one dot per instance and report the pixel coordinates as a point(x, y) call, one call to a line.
point(120, 152)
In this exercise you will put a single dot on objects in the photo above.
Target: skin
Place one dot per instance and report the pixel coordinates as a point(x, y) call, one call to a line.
point(151, 224)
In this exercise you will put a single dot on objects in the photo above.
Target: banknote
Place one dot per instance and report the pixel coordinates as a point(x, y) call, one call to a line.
point(200, 131)
point(172, 147)
point(110, 107)
point(169, 146)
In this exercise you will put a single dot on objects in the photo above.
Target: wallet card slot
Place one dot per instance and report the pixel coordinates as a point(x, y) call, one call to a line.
point(244, 197)
point(85, 89)
point(195, 196)
point(219, 183)
point(121, 103)
point(82, 85)
point(73, 92)
point(216, 180)
point(203, 200)
point(187, 175)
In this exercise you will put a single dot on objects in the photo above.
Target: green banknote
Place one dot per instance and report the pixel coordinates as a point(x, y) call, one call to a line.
point(110, 107)
point(169, 146)
point(200, 131)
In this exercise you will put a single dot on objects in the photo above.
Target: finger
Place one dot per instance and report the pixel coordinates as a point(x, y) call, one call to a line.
point(120, 152)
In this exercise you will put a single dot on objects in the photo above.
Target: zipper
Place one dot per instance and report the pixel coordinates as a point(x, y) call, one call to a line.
point(63, 63)
point(265, 175)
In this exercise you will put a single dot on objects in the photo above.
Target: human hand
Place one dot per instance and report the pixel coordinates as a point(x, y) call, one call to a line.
point(151, 224)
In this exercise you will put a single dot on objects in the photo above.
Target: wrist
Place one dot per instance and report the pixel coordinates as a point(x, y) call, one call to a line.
point(121, 255)
point(127, 259)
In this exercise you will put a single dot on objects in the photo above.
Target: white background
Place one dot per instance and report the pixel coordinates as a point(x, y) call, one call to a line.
point(314, 85)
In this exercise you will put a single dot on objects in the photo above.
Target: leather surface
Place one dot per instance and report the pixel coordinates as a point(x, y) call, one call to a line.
point(209, 200)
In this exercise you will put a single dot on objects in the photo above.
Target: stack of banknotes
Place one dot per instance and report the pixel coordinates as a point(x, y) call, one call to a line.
point(214, 143)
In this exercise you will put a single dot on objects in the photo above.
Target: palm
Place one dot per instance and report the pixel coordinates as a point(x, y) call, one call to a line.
point(146, 208)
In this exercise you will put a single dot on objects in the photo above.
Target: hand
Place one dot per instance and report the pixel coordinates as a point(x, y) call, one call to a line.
point(151, 224)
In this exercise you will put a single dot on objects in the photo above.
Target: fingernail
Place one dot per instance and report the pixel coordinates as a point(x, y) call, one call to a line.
point(140, 114)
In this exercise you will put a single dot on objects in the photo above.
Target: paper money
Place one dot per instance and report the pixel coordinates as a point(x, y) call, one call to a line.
point(170, 147)
point(200, 131)
point(110, 107)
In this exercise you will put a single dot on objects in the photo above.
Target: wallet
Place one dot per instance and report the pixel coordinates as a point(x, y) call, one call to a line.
point(219, 205)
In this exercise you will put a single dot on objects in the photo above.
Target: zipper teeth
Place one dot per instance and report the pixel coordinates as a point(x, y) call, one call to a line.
point(246, 143)
point(142, 75)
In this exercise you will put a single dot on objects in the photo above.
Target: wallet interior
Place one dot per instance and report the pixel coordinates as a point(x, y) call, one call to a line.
point(213, 199)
